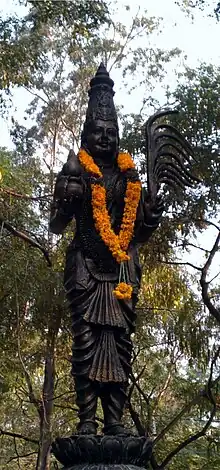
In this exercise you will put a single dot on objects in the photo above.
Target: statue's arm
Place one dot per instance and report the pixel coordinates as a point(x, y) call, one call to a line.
point(60, 215)
point(68, 192)
point(148, 217)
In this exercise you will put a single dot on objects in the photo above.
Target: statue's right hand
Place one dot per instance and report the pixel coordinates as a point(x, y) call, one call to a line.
point(72, 167)
point(68, 187)
point(69, 184)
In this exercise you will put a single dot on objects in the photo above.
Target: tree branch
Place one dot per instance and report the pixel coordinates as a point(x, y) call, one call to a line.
point(135, 382)
point(21, 456)
point(163, 389)
point(185, 244)
point(24, 196)
point(18, 436)
point(123, 46)
point(36, 95)
point(201, 433)
point(32, 398)
point(17, 454)
point(180, 263)
point(202, 394)
point(135, 418)
point(208, 222)
point(189, 440)
point(27, 239)
point(214, 277)
point(130, 37)
point(70, 129)
point(198, 221)
point(140, 428)
point(204, 284)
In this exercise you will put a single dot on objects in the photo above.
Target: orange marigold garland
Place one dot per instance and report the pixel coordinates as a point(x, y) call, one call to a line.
point(117, 244)
point(132, 197)
point(125, 161)
point(88, 163)
point(103, 223)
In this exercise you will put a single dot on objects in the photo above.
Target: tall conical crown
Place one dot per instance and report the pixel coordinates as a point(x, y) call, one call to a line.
point(101, 78)
point(101, 104)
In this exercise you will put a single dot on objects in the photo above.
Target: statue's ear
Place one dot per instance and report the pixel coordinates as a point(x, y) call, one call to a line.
point(84, 135)
point(118, 137)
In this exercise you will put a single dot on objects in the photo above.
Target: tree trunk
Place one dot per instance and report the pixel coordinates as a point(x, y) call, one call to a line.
point(43, 460)
point(47, 410)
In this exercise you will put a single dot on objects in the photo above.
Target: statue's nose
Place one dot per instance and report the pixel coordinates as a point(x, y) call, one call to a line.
point(104, 134)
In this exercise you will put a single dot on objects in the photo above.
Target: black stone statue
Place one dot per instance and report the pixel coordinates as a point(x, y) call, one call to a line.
point(102, 320)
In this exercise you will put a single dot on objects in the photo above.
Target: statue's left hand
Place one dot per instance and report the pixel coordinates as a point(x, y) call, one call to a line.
point(153, 210)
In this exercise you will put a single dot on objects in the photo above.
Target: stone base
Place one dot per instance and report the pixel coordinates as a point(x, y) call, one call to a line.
point(80, 452)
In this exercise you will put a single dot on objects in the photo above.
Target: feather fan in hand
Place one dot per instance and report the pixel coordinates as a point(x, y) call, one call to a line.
point(169, 155)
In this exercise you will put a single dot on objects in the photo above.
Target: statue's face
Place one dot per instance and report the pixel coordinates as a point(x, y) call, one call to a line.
point(102, 139)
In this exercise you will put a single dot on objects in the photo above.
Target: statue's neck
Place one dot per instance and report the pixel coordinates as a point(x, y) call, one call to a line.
point(107, 163)
point(107, 166)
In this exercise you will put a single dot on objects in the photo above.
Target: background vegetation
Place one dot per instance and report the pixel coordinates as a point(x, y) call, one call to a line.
point(52, 51)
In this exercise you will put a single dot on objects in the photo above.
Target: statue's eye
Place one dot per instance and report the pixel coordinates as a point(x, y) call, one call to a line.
point(97, 130)
point(112, 132)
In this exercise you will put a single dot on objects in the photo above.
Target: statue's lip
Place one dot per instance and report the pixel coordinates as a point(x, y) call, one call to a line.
point(103, 145)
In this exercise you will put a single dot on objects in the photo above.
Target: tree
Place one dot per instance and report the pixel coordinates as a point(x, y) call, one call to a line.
point(189, 215)
point(22, 40)
point(201, 4)
point(198, 119)
point(173, 388)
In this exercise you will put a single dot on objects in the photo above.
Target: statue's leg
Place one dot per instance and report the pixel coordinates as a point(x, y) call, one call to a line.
point(86, 389)
point(113, 394)
point(86, 400)
point(113, 397)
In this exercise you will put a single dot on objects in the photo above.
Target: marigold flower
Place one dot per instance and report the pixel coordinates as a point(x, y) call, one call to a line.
point(123, 291)
point(125, 161)
point(117, 244)
point(88, 163)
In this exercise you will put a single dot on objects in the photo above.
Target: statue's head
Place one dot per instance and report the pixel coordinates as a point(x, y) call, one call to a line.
point(100, 134)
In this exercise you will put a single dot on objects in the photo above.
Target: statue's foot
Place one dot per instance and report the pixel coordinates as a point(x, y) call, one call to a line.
point(116, 429)
point(87, 427)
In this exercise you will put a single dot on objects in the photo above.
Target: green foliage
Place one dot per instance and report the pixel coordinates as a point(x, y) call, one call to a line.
point(32, 324)
point(189, 5)
point(175, 338)
point(83, 16)
point(23, 41)
point(199, 118)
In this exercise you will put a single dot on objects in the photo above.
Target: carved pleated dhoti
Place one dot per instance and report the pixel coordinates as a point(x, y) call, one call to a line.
point(102, 348)
point(101, 326)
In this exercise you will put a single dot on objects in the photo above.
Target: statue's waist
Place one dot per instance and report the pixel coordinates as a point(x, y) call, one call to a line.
point(94, 249)
point(100, 274)
point(79, 262)
point(81, 267)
